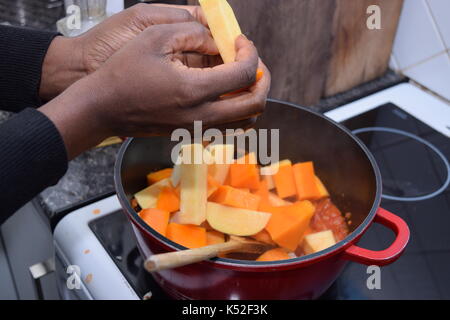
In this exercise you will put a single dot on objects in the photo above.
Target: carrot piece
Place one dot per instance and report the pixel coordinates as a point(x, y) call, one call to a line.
point(305, 181)
point(323, 192)
point(159, 175)
point(288, 226)
point(168, 200)
point(214, 237)
point(156, 219)
point(189, 236)
point(263, 236)
point(274, 255)
point(284, 180)
point(233, 197)
point(246, 174)
point(213, 185)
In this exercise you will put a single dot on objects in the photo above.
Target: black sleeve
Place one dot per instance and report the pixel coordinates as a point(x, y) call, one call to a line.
point(22, 53)
point(32, 157)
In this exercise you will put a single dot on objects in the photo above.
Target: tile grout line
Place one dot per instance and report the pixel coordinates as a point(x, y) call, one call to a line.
point(435, 24)
point(445, 51)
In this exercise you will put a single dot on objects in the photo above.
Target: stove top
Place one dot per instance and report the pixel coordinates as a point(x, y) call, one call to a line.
point(413, 157)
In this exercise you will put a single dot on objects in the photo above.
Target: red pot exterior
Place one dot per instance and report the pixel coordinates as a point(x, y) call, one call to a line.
point(207, 281)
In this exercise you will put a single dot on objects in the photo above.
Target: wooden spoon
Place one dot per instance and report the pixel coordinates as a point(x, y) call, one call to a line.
point(176, 259)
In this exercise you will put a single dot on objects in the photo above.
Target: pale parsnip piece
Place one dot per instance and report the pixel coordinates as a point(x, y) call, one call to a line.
point(223, 25)
point(193, 187)
point(148, 197)
point(234, 221)
point(319, 241)
point(223, 156)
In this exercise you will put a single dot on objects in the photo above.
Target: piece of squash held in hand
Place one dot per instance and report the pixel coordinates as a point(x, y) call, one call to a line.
point(229, 196)
point(156, 219)
point(193, 186)
point(188, 236)
point(287, 224)
point(157, 176)
point(222, 156)
point(168, 200)
point(318, 241)
point(274, 255)
point(148, 198)
point(234, 221)
point(305, 181)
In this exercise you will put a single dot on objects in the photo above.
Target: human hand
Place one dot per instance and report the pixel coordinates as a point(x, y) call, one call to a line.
point(146, 89)
point(70, 59)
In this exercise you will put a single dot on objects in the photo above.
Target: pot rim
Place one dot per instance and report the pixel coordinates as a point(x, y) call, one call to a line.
point(248, 265)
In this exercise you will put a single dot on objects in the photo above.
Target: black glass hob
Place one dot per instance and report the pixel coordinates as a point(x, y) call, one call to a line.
point(413, 159)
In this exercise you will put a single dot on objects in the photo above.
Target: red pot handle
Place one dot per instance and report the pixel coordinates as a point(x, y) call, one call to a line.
point(389, 255)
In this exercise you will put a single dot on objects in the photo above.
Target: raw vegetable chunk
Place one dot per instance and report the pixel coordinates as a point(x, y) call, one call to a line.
point(157, 219)
point(214, 237)
point(274, 255)
point(287, 227)
point(223, 25)
point(187, 235)
point(323, 192)
point(194, 187)
point(148, 197)
point(222, 156)
point(233, 221)
point(159, 175)
point(245, 173)
point(263, 236)
point(233, 197)
point(284, 180)
point(319, 241)
point(168, 200)
point(305, 181)
point(213, 185)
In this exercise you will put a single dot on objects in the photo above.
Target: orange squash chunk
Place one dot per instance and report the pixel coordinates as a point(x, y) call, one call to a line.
point(305, 181)
point(274, 255)
point(159, 175)
point(323, 192)
point(245, 175)
point(237, 198)
point(263, 193)
point(213, 185)
point(214, 237)
point(284, 180)
point(168, 200)
point(189, 236)
point(288, 226)
point(264, 236)
point(156, 219)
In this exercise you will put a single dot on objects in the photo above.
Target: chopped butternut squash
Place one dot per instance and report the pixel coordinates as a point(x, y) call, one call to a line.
point(284, 180)
point(156, 219)
point(214, 237)
point(233, 221)
point(148, 197)
point(323, 192)
point(213, 185)
point(287, 227)
point(263, 236)
point(187, 235)
point(244, 173)
point(233, 197)
point(168, 200)
point(274, 255)
point(159, 175)
point(305, 181)
point(222, 155)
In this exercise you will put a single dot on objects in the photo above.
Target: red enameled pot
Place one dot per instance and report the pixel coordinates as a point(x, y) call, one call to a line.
point(343, 163)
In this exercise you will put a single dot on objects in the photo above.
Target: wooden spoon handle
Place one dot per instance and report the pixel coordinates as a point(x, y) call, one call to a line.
point(176, 259)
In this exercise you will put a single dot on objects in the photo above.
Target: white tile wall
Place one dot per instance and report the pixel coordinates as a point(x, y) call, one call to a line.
point(422, 44)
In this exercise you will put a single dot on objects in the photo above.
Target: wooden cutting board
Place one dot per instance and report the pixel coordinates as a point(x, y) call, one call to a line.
point(317, 48)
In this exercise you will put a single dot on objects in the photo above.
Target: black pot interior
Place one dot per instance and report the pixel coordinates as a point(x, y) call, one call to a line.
point(341, 161)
